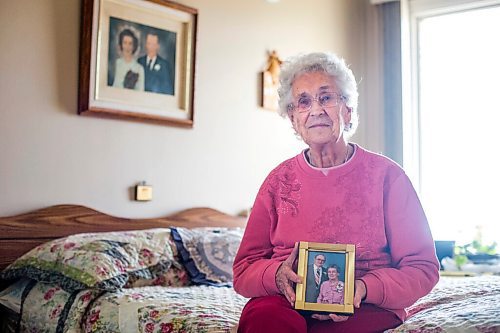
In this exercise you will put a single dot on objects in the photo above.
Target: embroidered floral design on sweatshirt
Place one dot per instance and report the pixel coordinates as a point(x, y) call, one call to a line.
point(363, 180)
point(284, 187)
point(329, 223)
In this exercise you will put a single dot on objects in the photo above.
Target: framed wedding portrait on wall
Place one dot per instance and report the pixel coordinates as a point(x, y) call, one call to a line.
point(137, 60)
point(327, 271)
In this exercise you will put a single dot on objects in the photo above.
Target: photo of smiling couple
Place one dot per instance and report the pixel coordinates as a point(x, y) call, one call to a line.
point(324, 282)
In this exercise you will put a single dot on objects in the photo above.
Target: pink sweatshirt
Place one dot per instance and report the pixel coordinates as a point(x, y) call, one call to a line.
point(368, 201)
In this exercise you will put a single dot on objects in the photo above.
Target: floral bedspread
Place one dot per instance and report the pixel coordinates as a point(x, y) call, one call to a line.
point(165, 309)
point(465, 305)
point(457, 304)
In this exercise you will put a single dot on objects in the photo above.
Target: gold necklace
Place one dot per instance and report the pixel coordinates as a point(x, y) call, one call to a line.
point(345, 159)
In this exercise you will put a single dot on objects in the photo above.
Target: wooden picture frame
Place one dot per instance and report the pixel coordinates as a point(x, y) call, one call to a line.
point(118, 78)
point(317, 294)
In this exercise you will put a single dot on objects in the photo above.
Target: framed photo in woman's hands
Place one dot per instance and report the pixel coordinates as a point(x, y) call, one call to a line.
point(327, 271)
point(137, 60)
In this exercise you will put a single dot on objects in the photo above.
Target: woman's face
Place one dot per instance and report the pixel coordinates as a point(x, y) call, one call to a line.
point(127, 45)
point(332, 274)
point(320, 125)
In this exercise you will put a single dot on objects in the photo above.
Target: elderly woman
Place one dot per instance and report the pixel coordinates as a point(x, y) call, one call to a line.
point(333, 192)
point(332, 290)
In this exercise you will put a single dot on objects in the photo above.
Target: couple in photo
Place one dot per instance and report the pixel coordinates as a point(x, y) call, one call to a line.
point(149, 72)
point(323, 284)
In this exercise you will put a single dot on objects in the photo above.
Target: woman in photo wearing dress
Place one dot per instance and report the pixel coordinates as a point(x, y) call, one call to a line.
point(332, 290)
point(129, 73)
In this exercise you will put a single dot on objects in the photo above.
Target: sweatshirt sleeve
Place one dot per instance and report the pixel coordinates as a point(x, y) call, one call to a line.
point(253, 270)
point(415, 268)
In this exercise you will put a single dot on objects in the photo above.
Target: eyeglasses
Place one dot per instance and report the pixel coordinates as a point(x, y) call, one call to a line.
point(324, 99)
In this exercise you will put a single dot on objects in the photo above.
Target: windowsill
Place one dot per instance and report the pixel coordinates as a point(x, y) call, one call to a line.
point(456, 273)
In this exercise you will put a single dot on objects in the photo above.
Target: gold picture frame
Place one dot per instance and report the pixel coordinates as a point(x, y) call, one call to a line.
point(336, 257)
point(137, 60)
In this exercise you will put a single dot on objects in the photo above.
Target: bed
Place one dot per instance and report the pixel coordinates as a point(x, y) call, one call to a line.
point(166, 274)
point(162, 293)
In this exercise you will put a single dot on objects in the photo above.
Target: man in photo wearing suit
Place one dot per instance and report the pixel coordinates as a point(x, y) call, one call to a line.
point(158, 77)
point(316, 275)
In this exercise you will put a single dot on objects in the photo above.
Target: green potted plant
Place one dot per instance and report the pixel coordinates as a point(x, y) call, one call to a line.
point(477, 252)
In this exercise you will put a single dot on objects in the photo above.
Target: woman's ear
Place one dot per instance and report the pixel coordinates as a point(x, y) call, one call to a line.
point(347, 115)
point(292, 118)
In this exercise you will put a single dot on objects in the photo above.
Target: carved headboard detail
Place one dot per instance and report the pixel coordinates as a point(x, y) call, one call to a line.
point(21, 233)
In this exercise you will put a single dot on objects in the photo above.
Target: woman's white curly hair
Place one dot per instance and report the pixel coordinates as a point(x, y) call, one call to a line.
point(320, 62)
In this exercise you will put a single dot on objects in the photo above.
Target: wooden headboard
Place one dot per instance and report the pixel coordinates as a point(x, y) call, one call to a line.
point(21, 233)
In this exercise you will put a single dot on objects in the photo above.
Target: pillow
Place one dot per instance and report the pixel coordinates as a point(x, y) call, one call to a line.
point(48, 308)
point(208, 253)
point(176, 276)
point(11, 296)
point(104, 261)
point(45, 307)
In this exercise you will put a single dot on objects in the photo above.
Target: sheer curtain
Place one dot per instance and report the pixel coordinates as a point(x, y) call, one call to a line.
point(393, 136)
point(389, 16)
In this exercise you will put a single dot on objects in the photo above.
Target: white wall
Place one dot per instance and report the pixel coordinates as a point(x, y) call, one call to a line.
point(50, 155)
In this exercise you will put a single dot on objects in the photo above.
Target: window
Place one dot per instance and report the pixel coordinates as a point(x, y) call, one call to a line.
point(452, 129)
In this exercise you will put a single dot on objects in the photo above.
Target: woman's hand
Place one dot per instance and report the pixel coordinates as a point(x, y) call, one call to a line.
point(359, 296)
point(359, 293)
point(332, 316)
point(285, 276)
